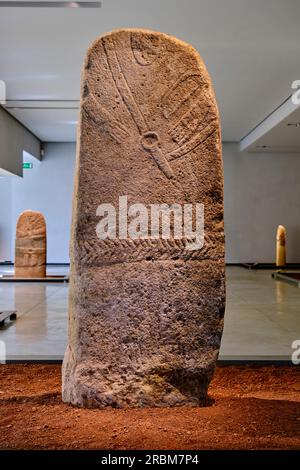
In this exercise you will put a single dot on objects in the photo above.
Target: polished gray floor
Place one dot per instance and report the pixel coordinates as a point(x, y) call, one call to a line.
point(262, 317)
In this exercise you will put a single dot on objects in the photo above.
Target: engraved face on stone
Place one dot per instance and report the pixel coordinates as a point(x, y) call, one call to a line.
point(146, 315)
point(30, 253)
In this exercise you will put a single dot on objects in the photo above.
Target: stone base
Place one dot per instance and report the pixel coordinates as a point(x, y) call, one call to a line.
point(149, 335)
point(30, 272)
point(89, 386)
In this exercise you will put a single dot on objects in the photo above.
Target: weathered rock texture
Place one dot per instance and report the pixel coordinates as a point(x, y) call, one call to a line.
point(30, 254)
point(145, 316)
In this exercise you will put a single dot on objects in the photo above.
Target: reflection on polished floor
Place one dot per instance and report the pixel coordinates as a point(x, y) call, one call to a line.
point(262, 317)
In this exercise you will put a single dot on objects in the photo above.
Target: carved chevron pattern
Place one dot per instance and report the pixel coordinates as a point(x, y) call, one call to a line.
point(108, 251)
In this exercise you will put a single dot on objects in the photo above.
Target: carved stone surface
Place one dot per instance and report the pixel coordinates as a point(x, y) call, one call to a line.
point(30, 254)
point(145, 315)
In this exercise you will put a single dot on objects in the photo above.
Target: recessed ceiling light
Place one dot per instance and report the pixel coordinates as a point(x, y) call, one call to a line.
point(293, 124)
point(46, 4)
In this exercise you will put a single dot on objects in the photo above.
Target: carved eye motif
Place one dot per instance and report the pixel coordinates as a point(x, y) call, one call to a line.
point(145, 49)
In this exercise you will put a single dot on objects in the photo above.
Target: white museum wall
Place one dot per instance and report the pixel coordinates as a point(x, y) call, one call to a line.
point(261, 191)
point(5, 218)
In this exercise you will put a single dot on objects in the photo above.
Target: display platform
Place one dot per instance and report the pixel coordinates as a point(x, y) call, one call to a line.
point(7, 314)
point(269, 266)
point(10, 278)
point(292, 278)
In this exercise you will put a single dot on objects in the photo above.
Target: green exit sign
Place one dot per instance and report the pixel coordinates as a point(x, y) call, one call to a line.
point(27, 166)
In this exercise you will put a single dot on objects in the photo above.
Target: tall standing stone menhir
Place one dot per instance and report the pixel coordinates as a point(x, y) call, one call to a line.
point(145, 316)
